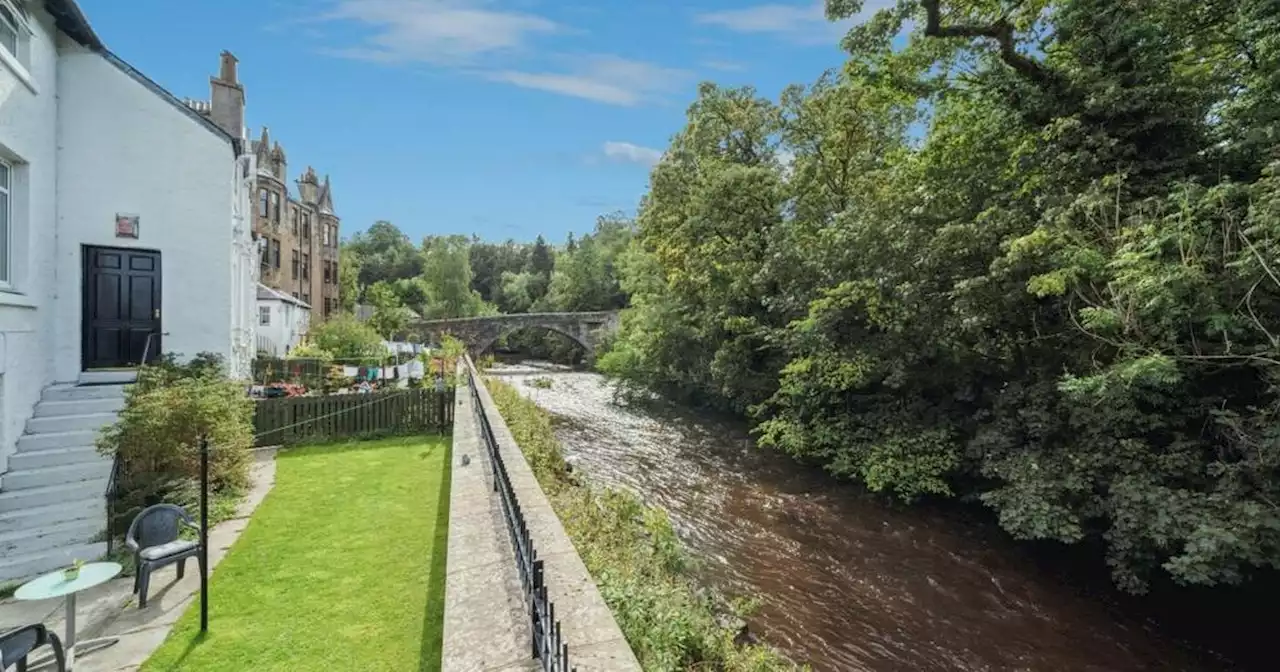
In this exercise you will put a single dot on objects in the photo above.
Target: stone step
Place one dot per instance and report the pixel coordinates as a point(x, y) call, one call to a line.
point(55, 409)
point(92, 508)
point(17, 500)
point(45, 537)
point(24, 566)
point(14, 481)
point(70, 423)
point(52, 457)
point(119, 377)
point(78, 392)
point(29, 442)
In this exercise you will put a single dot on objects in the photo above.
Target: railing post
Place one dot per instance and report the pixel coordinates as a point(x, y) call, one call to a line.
point(534, 620)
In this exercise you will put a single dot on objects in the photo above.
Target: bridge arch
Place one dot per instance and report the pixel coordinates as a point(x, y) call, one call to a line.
point(588, 348)
point(480, 333)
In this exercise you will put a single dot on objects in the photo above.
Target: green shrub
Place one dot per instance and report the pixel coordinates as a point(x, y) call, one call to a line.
point(635, 558)
point(310, 350)
point(157, 436)
point(348, 339)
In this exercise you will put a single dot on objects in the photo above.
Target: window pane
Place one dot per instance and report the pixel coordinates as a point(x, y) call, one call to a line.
point(8, 34)
point(4, 237)
point(4, 177)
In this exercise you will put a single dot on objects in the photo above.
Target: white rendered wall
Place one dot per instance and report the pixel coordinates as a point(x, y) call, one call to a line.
point(122, 148)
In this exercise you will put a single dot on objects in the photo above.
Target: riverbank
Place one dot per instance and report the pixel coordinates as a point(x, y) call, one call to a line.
point(635, 557)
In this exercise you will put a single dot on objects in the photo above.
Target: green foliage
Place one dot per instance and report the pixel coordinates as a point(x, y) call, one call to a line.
point(348, 339)
point(633, 554)
point(157, 436)
point(1062, 299)
point(309, 350)
point(348, 279)
point(447, 277)
point(390, 317)
point(541, 382)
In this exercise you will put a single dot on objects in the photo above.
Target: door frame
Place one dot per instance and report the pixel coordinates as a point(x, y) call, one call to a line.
point(86, 298)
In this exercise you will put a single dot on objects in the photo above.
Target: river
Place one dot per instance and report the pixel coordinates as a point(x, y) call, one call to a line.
point(846, 580)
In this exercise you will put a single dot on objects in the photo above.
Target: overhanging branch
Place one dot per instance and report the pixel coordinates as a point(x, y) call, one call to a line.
point(1000, 30)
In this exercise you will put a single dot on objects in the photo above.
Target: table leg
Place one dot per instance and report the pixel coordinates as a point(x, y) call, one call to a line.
point(69, 634)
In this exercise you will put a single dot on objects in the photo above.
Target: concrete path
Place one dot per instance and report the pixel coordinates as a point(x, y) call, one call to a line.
point(111, 609)
point(486, 627)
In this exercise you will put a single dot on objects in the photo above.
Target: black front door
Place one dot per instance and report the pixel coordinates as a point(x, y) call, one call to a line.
point(121, 307)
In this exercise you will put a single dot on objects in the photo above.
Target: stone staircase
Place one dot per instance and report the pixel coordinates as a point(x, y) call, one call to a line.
point(52, 505)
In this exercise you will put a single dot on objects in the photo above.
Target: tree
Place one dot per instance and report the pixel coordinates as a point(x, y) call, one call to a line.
point(390, 317)
point(348, 339)
point(385, 253)
point(348, 280)
point(1058, 297)
point(447, 277)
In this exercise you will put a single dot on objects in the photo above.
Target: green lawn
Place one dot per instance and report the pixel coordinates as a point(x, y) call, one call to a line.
point(341, 568)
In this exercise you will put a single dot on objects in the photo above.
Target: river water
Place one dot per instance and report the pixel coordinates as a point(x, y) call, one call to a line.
point(846, 581)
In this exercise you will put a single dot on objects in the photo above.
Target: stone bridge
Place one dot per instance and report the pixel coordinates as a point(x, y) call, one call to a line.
point(479, 333)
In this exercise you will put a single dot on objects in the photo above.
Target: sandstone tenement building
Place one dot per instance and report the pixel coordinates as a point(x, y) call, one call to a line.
point(298, 228)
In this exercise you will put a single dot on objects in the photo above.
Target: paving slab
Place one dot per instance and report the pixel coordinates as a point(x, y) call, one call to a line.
point(110, 610)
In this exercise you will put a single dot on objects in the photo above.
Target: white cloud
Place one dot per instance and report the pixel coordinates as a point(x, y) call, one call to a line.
point(435, 31)
point(800, 22)
point(477, 39)
point(630, 153)
point(604, 79)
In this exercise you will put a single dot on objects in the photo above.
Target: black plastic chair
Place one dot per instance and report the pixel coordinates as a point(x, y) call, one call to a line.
point(153, 538)
point(17, 644)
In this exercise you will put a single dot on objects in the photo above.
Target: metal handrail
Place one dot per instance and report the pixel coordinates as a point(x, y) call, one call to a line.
point(548, 645)
point(110, 495)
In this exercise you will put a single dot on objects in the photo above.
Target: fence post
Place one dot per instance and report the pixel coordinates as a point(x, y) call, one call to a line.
point(533, 608)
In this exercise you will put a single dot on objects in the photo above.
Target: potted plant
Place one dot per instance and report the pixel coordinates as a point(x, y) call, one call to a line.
point(73, 572)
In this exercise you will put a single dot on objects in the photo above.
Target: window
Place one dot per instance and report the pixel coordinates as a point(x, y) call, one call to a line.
point(326, 271)
point(262, 202)
point(295, 295)
point(275, 253)
point(306, 266)
point(295, 264)
point(306, 298)
point(328, 306)
point(6, 218)
point(306, 225)
point(326, 235)
point(275, 207)
point(293, 218)
point(264, 316)
point(10, 37)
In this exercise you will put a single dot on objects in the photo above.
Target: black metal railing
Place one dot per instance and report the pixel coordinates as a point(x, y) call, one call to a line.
point(111, 495)
point(549, 647)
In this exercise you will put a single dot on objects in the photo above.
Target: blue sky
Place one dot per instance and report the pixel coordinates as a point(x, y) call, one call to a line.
point(504, 118)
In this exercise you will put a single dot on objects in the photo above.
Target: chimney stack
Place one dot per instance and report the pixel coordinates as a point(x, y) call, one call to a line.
point(227, 72)
point(227, 97)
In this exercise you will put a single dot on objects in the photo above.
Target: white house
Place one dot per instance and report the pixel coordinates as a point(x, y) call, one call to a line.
point(121, 236)
point(282, 321)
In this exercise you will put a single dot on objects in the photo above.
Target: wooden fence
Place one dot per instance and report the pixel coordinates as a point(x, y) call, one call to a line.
point(292, 420)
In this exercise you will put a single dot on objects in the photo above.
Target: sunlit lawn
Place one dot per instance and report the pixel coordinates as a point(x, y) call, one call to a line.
point(341, 568)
